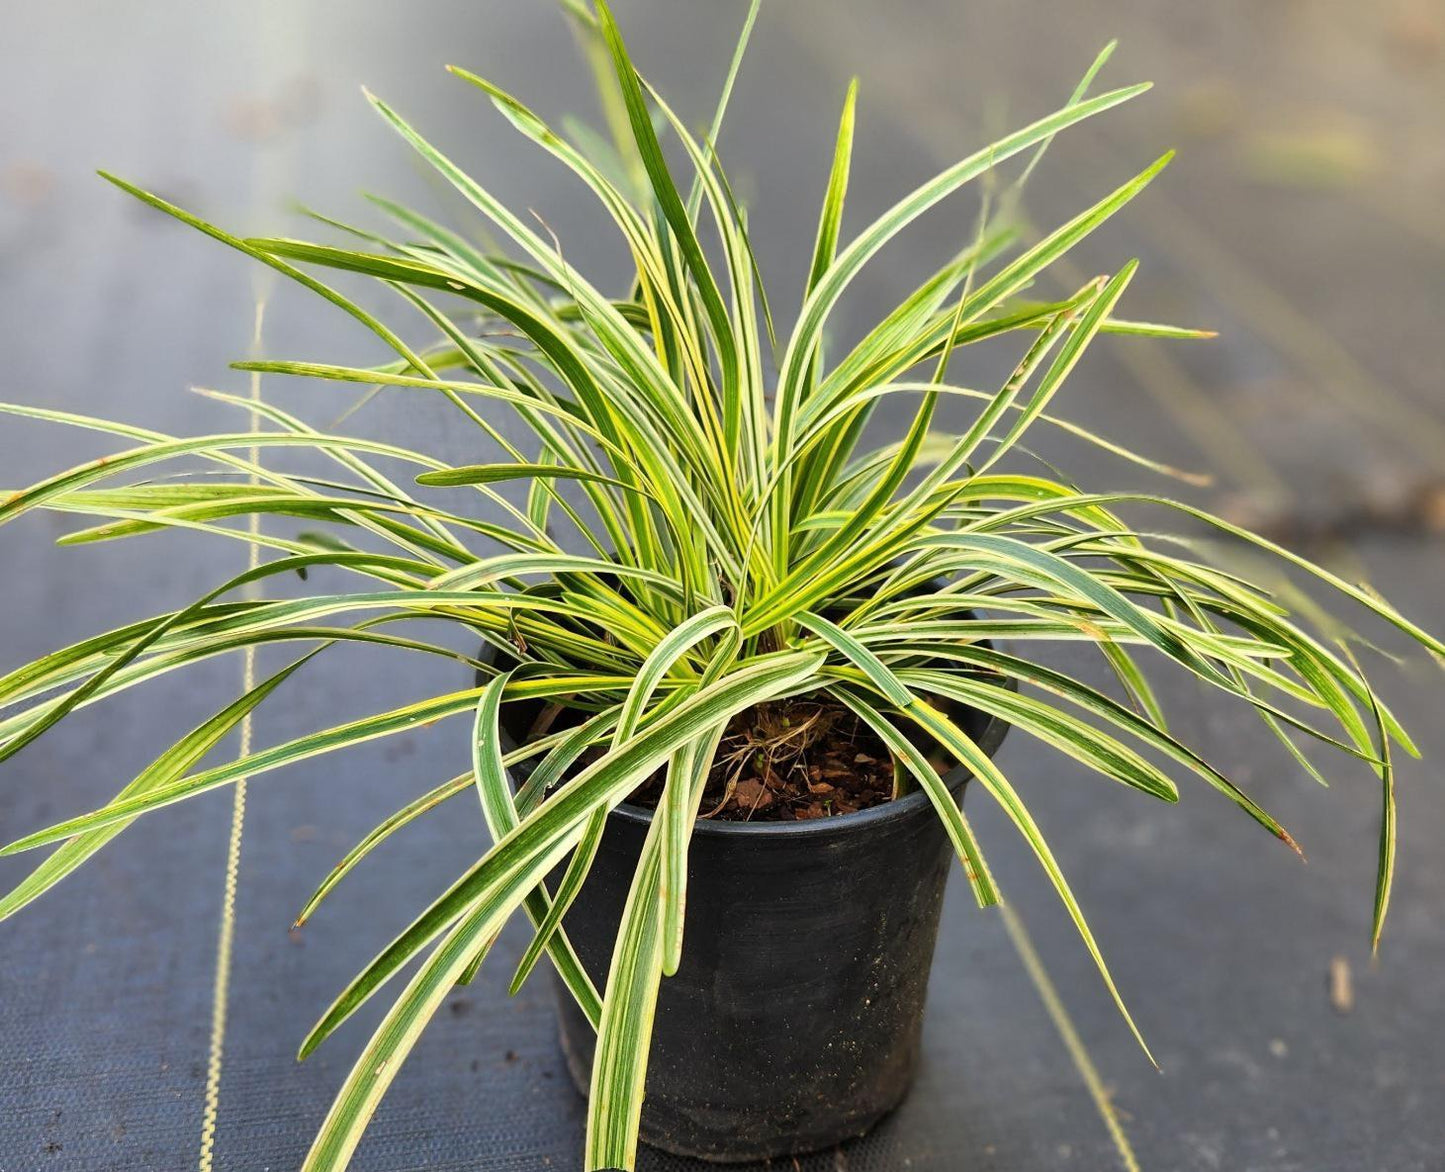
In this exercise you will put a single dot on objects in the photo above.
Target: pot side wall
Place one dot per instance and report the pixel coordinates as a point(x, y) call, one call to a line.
point(794, 1020)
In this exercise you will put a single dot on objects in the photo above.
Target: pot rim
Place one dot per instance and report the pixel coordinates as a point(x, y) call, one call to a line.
point(989, 738)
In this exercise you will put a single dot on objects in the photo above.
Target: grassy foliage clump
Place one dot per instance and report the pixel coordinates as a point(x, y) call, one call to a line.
point(740, 544)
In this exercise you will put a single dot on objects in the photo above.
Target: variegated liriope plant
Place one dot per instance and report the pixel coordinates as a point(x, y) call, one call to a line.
point(739, 545)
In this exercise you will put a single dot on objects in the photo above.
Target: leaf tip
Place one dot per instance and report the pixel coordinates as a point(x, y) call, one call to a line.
point(309, 1044)
point(124, 184)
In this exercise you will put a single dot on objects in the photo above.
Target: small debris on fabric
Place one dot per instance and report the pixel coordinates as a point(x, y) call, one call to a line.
point(1342, 985)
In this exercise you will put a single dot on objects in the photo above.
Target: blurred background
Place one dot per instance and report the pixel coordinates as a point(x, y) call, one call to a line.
point(1302, 220)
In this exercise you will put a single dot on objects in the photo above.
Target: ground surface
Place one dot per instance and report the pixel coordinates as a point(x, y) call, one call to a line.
point(1301, 221)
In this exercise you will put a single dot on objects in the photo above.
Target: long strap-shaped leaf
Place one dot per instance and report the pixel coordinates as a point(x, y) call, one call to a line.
point(681, 797)
point(667, 653)
point(614, 411)
point(396, 720)
point(669, 201)
point(484, 570)
point(666, 397)
point(950, 813)
point(878, 673)
point(649, 943)
point(330, 294)
point(561, 817)
point(916, 510)
point(379, 834)
point(169, 765)
point(1366, 598)
point(499, 806)
point(1106, 707)
point(967, 752)
point(619, 1062)
point(1028, 563)
point(853, 548)
point(169, 655)
point(156, 631)
point(1085, 743)
point(840, 274)
point(1385, 875)
point(865, 366)
point(477, 906)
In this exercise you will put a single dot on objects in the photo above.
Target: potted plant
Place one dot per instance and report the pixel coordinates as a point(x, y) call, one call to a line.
point(737, 667)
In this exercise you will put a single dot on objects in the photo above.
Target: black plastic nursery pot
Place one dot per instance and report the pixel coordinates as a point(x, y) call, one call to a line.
point(794, 1021)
